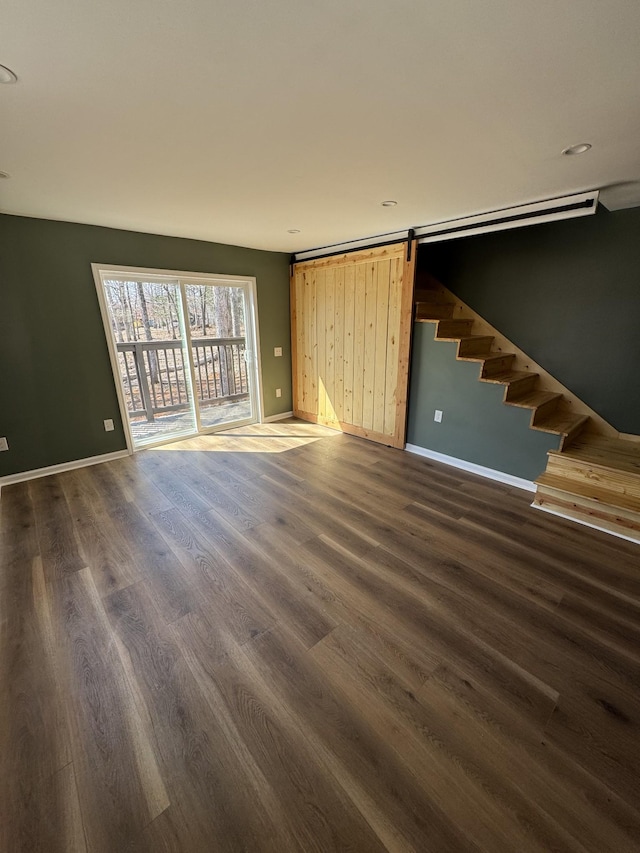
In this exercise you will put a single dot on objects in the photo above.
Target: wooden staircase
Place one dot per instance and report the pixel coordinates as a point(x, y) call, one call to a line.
point(597, 482)
point(592, 478)
point(521, 388)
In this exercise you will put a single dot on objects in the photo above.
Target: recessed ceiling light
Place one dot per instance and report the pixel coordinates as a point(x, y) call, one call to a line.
point(4, 175)
point(388, 203)
point(293, 230)
point(7, 75)
point(580, 148)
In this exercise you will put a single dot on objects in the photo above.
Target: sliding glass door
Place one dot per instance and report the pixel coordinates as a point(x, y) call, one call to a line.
point(183, 352)
point(221, 358)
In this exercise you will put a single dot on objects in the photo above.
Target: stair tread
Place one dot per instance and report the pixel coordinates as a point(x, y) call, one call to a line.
point(456, 323)
point(533, 399)
point(614, 445)
point(487, 356)
point(589, 490)
point(508, 377)
point(560, 423)
point(436, 299)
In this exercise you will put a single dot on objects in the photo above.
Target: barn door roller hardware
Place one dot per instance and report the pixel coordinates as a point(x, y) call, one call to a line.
point(410, 236)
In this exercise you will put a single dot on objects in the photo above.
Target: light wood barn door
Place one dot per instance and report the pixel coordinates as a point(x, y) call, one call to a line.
point(351, 319)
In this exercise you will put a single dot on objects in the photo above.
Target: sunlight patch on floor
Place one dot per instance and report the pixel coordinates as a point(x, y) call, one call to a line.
point(255, 438)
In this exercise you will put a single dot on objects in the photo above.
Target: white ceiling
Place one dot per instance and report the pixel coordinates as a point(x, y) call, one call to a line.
point(235, 120)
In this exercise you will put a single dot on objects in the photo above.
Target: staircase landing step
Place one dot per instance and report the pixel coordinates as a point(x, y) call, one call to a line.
point(610, 453)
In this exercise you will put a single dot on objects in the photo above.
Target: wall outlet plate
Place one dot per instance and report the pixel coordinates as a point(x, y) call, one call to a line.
point(278, 392)
point(108, 425)
point(438, 416)
point(277, 351)
point(4, 444)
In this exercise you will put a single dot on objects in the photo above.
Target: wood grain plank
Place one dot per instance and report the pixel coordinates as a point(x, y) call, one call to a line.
point(359, 320)
point(297, 332)
point(385, 791)
point(404, 343)
point(371, 344)
point(349, 341)
point(321, 342)
point(220, 795)
point(338, 336)
point(34, 737)
point(319, 815)
point(393, 345)
point(219, 589)
point(482, 808)
point(328, 332)
point(100, 546)
point(58, 545)
point(381, 356)
point(119, 783)
point(280, 591)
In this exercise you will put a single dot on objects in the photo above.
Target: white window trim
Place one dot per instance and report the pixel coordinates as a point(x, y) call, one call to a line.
point(154, 274)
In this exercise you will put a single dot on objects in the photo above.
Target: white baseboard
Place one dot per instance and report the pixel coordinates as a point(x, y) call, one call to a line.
point(281, 417)
point(472, 468)
point(58, 469)
point(558, 514)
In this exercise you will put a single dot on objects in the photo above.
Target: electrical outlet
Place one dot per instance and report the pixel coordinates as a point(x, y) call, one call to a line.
point(108, 425)
point(4, 444)
point(278, 392)
point(438, 416)
point(277, 351)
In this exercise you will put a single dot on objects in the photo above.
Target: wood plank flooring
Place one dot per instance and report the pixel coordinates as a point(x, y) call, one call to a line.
point(288, 639)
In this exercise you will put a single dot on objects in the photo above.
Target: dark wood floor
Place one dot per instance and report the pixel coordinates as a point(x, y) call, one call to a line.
point(293, 640)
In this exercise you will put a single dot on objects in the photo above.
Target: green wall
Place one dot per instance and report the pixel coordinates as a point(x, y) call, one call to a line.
point(56, 385)
point(568, 294)
point(476, 425)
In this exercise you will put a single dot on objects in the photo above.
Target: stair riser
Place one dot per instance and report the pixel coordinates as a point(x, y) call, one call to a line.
point(574, 435)
point(454, 328)
point(425, 311)
point(521, 386)
point(615, 481)
point(478, 347)
point(430, 296)
point(544, 410)
point(497, 365)
point(624, 521)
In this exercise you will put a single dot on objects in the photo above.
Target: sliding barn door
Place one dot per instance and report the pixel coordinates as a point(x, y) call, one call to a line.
point(351, 331)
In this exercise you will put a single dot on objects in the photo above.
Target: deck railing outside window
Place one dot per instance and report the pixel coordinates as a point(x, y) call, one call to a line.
point(155, 380)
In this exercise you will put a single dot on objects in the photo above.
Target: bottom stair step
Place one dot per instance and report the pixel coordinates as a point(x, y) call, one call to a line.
point(590, 491)
point(609, 511)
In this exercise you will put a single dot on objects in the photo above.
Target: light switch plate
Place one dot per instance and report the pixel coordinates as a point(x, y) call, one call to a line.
point(277, 351)
point(108, 425)
point(4, 444)
point(438, 416)
point(278, 392)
